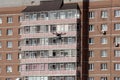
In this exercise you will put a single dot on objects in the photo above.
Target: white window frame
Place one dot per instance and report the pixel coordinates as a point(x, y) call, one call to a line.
point(90, 78)
point(9, 69)
point(117, 26)
point(117, 39)
point(103, 66)
point(0, 69)
point(117, 53)
point(0, 32)
point(9, 44)
point(9, 56)
point(0, 56)
point(0, 44)
point(104, 40)
point(9, 32)
point(91, 67)
point(91, 40)
point(117, 13)
point(63, 15)
point(104, 27)
point(91, 27)
point(104, 14)
point(91, 53)
point(103, 78)
point(91, 15)
point(104, 53)
point(0, 20)
point(8, 78)
point(117, 66)
point(116, 78)
point(10, 19)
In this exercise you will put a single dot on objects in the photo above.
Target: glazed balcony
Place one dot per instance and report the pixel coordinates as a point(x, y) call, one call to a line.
point(49, 73)
point(49, 60)
point(50, 17)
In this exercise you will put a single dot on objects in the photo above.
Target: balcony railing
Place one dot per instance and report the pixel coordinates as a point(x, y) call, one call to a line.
point(49, 60)
point(49, 73)
point(48, 47)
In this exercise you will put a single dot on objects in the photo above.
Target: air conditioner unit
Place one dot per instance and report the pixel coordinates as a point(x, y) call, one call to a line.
point(104, 32)
point(116, 44)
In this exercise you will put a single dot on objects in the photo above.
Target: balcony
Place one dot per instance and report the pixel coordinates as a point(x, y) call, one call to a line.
point(51, 17)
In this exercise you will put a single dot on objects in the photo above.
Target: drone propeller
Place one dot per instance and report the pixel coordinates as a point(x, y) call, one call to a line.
point(59, 34)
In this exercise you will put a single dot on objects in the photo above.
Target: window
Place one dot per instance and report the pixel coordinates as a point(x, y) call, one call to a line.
point(0, 56)
point(62, 15)
point(33, 16)
point(9, 44)
point(117, 26)
point(91, 40)
point(104, 66)
point(0, 44)
point(91, 15)
point(26, 29)
point(67, 78)
point(91, 78)
point(117, 13)
point(9, 19)
point(0, 69)
point(91, 66)
point(9, 32)
point(116, 78)
point(103, 40)
point(0, 20)
point(104, 14)
point(117, 39)
point(9, 69)
point(20, 18)
point(103, 53)
point(69, 66)
point(0, 32)
point(19, 68)
point(53, 15)
point(9, 56)
point(103, 78)
point(8, 78)
point(104, 27)
point(91, 27)
point(19, 56)
point(43, 16)
point(117, 66)
point(91, 53)
point(117, 53)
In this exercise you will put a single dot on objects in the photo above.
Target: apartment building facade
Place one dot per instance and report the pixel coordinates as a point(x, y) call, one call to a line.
point(49, 46)
point(9, 37)
point(98, 44)
point(100, 39)
point(62, 41)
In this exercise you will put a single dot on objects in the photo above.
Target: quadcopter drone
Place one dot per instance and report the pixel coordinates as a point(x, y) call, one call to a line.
point(59, 35)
